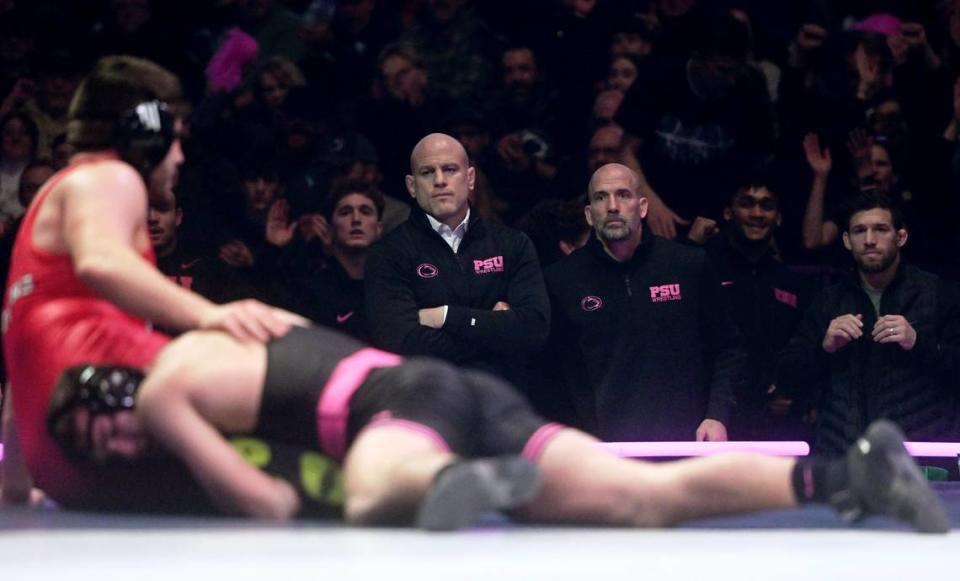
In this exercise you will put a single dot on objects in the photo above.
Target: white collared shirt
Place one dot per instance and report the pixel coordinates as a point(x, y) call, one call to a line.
point(452, 236)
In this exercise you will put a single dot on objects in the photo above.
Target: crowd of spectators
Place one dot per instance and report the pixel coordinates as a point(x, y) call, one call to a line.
point(301, 113)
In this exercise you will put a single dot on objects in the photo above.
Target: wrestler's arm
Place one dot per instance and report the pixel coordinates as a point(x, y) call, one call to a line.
point(172, 417)
point(103, 210)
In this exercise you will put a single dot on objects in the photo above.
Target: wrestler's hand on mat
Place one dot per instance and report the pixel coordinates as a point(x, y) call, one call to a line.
point(286, 502)
point(249, 320)
point(895, 329)
point(32, 498)
point(711, 431)
point(841, 331)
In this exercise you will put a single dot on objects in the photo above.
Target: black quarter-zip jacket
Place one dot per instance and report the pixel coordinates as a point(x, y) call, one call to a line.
point(413, 268)
point(648, 345)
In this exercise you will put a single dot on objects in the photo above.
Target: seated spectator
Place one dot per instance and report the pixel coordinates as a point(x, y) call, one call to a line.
point(402, 109)
point(187, 265)
point(61, 152)
point(767, 302)
point(884, 341)
point(275, 79)
point(18, 147)
point(34, 175)
point(556, 228)
point(709, 116)
point(456, 45)
point(524, 99)
point(58, 75)
point(623, 72)
point(334, 296)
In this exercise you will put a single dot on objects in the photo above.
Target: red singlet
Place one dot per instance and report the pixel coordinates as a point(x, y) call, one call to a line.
point(51, 321)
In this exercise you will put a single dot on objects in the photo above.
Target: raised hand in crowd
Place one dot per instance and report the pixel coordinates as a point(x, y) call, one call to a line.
point(661, 219)
point(912, 38)
point(316, 227)
point(809, 39)
point(22, 91)
point(817, 231)
point(702, 229)
point(279, 230)
point(237, 254)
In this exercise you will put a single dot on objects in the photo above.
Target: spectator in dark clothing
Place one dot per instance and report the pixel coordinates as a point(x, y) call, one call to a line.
point(885, 341)
point(698, 123)
point(450, 285)
point(334, 296)
point(404, 108)
point(646, 345)
point(456, 45)
point(556, 227)
point(767, 301)
point(342, 53)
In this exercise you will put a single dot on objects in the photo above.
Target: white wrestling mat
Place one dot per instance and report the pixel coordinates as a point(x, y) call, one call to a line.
point(809, 544)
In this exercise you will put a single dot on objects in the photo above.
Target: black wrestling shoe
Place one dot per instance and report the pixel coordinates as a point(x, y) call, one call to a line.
point(464, 491)
point(885, 480)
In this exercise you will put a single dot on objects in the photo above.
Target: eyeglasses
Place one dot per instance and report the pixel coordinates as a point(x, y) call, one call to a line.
point(748, 203)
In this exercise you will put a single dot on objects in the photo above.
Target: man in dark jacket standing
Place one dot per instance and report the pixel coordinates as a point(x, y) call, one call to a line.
point(886, 341)
point(446, 283)
point(767, 301)
point(648, 347)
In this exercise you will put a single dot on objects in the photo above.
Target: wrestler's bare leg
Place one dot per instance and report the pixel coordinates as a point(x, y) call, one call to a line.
point(387, 473)
point(585, 484)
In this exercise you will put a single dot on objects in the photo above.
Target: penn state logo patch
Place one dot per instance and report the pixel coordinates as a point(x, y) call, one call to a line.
point(427, 270)
point(591, 303)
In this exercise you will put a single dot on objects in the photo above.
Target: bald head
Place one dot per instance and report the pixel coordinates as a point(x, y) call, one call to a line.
point(434, 142)
point(441, 178)
point(612, 171)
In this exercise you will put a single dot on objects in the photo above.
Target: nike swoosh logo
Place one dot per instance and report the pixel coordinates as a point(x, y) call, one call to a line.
point(187, 265)
point(343, 318)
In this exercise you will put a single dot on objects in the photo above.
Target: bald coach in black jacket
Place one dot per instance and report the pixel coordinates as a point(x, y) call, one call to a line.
point(447, 284)
point(648, 347)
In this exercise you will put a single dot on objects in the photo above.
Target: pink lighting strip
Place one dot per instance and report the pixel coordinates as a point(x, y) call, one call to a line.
point(683, 449)
point(933, 449)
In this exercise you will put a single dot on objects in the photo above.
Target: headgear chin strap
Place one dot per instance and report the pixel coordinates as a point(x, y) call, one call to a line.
point(98, 389)
point(144, 134)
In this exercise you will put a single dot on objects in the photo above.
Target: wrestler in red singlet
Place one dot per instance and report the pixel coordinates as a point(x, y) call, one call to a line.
point(51, 321)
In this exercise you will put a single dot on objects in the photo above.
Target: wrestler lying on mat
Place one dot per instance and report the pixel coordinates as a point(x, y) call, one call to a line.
point(425, 443)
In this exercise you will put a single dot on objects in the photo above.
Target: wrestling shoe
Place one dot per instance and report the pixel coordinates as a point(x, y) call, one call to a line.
point(463, 491)
point(885, 480)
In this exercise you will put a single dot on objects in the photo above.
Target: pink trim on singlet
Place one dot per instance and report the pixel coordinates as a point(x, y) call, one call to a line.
point(333, 406)
point(386, 419)
point(539, 440)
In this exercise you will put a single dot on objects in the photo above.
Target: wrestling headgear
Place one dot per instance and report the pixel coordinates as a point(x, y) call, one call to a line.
point(144, 134)
point(97, 389)
point(123, 104)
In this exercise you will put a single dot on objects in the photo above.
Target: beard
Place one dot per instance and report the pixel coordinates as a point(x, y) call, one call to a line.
point(615, 233)
point(885, 262)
